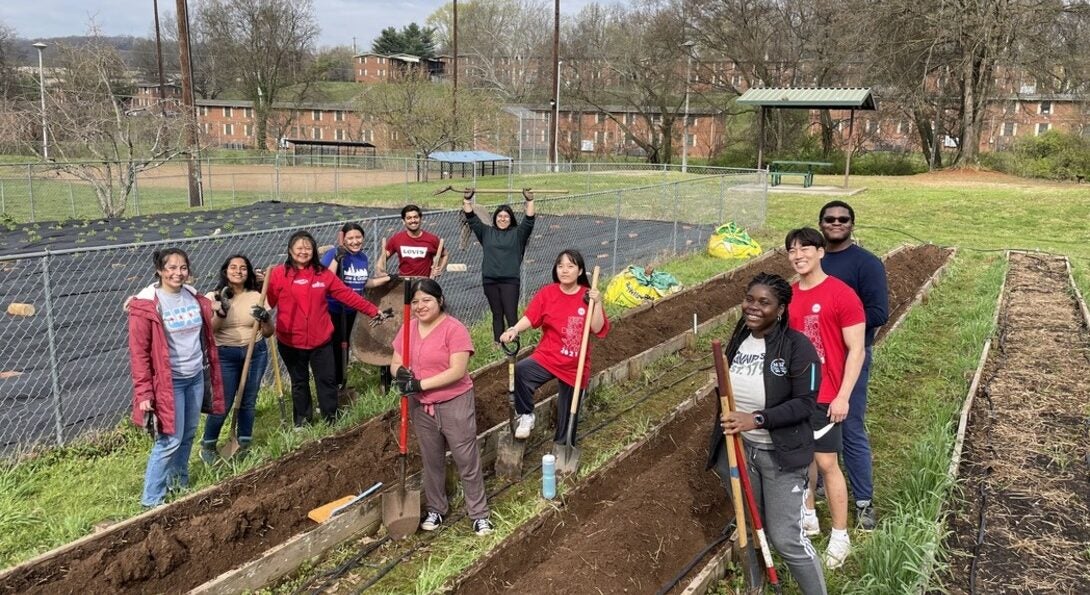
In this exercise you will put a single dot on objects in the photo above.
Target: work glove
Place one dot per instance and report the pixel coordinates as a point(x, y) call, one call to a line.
point(260, 314)
point(341, 253)
point(407, 383)
point(151, 424)
point(468, 194)
point(382, 317)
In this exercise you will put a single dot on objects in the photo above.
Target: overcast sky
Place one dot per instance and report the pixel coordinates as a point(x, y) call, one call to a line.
point(339, 20)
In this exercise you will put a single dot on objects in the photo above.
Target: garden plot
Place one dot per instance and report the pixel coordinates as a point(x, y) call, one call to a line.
point(1023, 524)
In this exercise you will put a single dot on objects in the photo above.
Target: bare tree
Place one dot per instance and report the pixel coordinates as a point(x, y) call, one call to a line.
point(263, 45)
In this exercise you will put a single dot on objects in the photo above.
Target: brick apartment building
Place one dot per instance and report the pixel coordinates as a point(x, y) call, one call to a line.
point(370, 67)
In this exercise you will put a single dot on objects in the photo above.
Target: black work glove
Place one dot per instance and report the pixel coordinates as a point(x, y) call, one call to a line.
point(225, 301)
point(382, 317)
point(407, 383)
point(468, 194)
point(151, 424)
point(341, 252)
point(586, 298)
point(260, 314)
point(394, 278)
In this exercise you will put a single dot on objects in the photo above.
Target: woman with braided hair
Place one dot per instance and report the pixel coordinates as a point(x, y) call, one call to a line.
point(775, 374)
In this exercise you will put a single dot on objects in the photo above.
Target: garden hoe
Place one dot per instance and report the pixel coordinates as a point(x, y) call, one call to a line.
point(229, 448)
point(510, 450)
point(401, 508)
point(567, 455)
point(752, 568)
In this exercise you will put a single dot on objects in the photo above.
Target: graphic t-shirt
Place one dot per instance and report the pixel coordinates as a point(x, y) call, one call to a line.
point(560, 317)
point(747, 378)
point(429, 356)
point(182, 321)
point(353, 270)
point(822, 313)
point(415, 256)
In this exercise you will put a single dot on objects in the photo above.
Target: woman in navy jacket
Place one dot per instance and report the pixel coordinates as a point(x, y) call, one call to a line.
point(775, 374)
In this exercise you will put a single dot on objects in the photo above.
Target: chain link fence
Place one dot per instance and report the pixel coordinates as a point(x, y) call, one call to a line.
point(64, 370)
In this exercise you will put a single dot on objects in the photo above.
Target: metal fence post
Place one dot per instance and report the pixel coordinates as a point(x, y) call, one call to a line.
point(71, 200)
point(722, 198)
point(677, 209)
point(233, 196)
point(30, 190)
point(3, 199)
point(136, 193)
point(616, 233)
point(53, 376)
point(336, 182)
point(588, 177)
point(374, 238)
point(276, 178)
point(208, 184)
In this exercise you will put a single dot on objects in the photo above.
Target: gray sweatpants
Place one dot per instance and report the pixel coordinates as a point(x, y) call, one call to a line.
point(453, 426)
point(779, 496)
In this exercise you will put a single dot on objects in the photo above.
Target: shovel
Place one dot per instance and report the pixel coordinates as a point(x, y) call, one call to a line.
point(275, 360)
point(401, 508)
point(229, 448)
point(510, 450)
point(567, 455)
point(331, 509)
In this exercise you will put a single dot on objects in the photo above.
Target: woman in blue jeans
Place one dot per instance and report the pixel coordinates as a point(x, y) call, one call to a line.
point(235, 304)
point(170, 338)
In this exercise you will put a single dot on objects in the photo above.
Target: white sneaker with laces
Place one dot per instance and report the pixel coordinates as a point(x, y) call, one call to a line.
point(811, 527)
point(482, 527)
point(839, 548)
point(432, 521)
point(526, 424)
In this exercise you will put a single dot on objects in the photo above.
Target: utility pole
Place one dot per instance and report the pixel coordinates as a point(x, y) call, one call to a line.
point(554, 130)
point(688, 45)
point(454, 93)
point(189, 108)
point(159, 59)
point(41, 89)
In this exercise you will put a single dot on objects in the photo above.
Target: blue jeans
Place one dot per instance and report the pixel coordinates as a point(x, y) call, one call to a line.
point(231, 361)
point(169, 458)
point(856, 446)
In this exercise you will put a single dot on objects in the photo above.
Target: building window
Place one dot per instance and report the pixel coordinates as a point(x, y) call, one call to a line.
point(207, 128)
point(228, 129)
point(872, 127)
point(1043, 127)
point(1045, 108)
point(367, 136)
point(339, 134)
point(204, 110)
point(601, 118)
point(249, 113)
point(316, 115)
point(316, 133)
point(690, 140)
point(364, 72)
point(338, 116)
point(227, 112)
point(249, 130)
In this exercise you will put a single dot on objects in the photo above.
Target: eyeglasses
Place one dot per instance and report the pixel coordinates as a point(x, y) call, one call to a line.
point(830, 219)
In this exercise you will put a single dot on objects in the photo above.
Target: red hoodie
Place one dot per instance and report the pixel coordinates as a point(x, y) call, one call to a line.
point(149, 357)
point(302, 313)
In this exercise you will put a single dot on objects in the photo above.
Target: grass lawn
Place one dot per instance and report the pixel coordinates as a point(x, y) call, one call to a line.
point(921, 372)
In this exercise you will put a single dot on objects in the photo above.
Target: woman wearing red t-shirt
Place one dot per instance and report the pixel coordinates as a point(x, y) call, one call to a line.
point(443, 408)
point(559, 310)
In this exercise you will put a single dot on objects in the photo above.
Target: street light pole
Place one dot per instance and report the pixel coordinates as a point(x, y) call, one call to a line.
point(688, 45)
point(556, 120)
point(41, 89)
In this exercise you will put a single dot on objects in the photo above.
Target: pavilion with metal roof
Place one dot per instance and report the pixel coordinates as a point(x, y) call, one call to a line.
point(834, 98)
point(477, 160)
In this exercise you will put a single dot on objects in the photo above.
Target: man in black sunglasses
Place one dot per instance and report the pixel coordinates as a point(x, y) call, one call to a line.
point(864, 273)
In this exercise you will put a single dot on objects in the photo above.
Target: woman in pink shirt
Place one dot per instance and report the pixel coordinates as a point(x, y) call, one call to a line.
point(442, 407)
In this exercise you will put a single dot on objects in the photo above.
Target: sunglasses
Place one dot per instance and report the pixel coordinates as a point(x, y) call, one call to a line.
point(830, 219)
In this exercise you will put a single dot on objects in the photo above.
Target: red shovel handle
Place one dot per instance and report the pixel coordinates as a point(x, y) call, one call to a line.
point(403, 442)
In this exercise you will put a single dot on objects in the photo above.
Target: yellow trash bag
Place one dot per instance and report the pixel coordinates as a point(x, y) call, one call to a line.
point(731, 241)
point(635, 285)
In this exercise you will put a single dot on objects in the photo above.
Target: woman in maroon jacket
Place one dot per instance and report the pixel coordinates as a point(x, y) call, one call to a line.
point(170, 339)
point(298, 290)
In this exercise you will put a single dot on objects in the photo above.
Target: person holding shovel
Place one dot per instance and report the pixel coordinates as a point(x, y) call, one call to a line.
point(503, 245)
point(235, 303)
point(350, 264)
point(170, 338)
point(830, 314)
point(775, 374)
point(417, 250)
point(443, 406)
point(298, 290)
point(559, 310)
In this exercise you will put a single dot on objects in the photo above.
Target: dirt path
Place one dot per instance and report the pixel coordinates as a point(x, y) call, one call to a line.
point(1025, 476)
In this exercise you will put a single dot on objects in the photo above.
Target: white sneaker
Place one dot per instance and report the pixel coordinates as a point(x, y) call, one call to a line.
point(811, 527)
point(838, 550)
point(526, 424)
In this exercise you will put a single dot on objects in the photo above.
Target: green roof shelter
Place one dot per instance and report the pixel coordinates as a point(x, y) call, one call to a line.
point(838, 98)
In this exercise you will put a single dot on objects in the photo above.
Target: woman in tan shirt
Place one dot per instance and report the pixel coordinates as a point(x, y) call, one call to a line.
point(235, 304)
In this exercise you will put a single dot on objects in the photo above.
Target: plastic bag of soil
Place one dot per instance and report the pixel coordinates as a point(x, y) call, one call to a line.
point(636, 285)
point(731, 241)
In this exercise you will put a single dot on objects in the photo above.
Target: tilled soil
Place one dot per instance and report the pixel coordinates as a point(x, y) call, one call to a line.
point(1025, 475)
point(906, 272)
point(195, 540)
point(628, 530)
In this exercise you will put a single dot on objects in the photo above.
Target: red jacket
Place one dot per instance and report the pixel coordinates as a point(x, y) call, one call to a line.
point(302, 314)
point(149, 357)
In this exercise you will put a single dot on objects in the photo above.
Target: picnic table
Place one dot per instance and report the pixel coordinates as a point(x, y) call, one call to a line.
point(804, 169)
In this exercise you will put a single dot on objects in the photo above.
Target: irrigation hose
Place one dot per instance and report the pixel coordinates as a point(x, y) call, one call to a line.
point(725, 535)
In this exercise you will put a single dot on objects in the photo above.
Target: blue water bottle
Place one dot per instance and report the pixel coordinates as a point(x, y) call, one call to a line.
point(548, 476)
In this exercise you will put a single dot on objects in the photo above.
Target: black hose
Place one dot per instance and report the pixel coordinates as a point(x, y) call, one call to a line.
point(725, 535)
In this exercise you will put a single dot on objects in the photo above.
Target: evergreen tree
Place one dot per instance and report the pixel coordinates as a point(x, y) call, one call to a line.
point(412, 39)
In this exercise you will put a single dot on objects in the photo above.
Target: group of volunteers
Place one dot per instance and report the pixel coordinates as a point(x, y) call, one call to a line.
point(799, 361)
point(799, 365)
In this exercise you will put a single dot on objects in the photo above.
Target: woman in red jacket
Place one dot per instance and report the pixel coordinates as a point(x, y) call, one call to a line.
point(298, 290)
point(170, 339)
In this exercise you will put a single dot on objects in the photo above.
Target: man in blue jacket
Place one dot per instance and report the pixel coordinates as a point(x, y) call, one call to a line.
point(865, 274)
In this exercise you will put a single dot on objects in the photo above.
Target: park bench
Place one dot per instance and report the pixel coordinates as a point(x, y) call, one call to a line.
point(804, 169)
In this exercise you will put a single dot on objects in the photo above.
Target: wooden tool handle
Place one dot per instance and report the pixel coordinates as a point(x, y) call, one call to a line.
point(580, 368)
point(725, 399)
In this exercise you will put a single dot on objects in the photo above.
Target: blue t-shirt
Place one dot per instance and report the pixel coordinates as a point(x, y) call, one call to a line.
point(865, 274)
point(353, 271)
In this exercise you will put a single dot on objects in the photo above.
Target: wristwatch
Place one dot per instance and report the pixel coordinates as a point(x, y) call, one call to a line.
point(759, 420)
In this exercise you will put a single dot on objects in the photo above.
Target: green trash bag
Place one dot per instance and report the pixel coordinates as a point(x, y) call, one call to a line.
point(731, 241)
point(636, 285)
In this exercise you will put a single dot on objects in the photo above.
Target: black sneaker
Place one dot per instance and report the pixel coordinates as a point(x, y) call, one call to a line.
point(865, 517)
point(482, 527)
point(432, 521)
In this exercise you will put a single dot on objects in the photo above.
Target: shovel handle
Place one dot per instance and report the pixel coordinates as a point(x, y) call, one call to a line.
point(403, 434)
point(725, 399)
point(582, 364)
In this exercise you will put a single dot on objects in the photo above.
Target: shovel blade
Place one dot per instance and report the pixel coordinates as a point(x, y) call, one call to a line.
point(567, 458)
point(401, 513)
point(509, 454)
point(229, 448)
